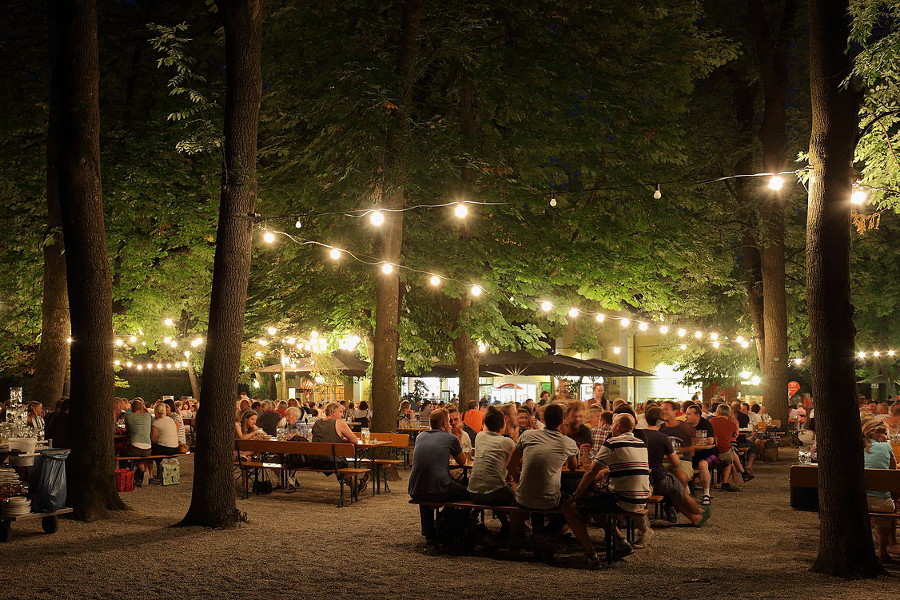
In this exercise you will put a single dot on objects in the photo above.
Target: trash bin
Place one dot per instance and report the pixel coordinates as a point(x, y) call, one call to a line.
point(48, 481)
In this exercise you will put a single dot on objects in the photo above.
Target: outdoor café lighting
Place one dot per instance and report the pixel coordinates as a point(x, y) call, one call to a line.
point(387, 268)
point(553, 201)
point(271, 330)
point(682, 346)
point(263, 342)
point(664, 329)
point(334, 253)
point(187, 353)
point(268, 237)
point(196, 342)
point(716, 344)
point(166, 340)
point(132, 339)
point(744, 344)
point(624, 322)
point(798, 361)
point(117, 362)
point(298, 224)
point(159, 365)
point(129, 364)
point(68, 340)
point(859, 196)
point(258, 354)
point(776, 183)
point(168, 322)
point(755, 380)
point(435, 280)
point(476, 290)
point(861, 355)
point(657, 193)
point(376, 218)
point(682, 332)
point(616, 350)
point(546, 306)
point(891, 353)
point(713, 336)
point(600, 317)
point(140, 367)
point(698, 334)
point(173, 344)
point(461, 210)
point(739, 339)
point(642, 326)
point(482, 347)
point(574, 312)
point(745, 375)
point(119, 343)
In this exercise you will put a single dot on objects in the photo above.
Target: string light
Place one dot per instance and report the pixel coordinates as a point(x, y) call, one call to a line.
point(861, 355)
point(263, 342)
point(776, 183)
point(196, 342)
point(624, 322)
point(642, 326)
point(716, 344)
point(476, 290)
point(546, 306)
point(298, 223)
point(166, 340)
point(132, 339)
point(268, 237)
point(168, 322)
point(739, 339)
point(698, 335)
point(119, 343)
point(140, 367)
point(682, 346)
point(664, 329)
point(657, 193)
point(69, 340)
point(173, 344)
point(128, 364)
point(859, 196)
point(117, 362)
point(798, 361)
point(258, 354)
point(600, 317)
point(682, 332)
point(482, 348)
point(891, 353)
point(387, 268)
point(714, 336)
point(574, 312)
point(334, 253)
point(435, 280)
point(616, 350)
point(187, 353)
point(553, 201)
point(271, 330)
point(376, 218)
point(461, 210)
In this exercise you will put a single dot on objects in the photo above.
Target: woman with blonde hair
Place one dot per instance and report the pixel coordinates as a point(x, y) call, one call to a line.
point(878, 455)
point(164, 432)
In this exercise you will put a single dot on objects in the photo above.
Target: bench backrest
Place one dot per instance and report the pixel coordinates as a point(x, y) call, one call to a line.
point(804, 482)
point(398, 440)
point(309, 448)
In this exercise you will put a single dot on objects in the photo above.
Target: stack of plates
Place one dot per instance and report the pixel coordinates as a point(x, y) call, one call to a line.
point(16, 506)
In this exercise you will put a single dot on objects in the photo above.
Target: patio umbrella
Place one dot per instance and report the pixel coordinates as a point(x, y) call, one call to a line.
point(523, 363)
point(611, 369)
point(346, 363)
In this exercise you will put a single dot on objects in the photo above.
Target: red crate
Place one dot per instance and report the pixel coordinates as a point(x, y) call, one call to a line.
point(124, 480)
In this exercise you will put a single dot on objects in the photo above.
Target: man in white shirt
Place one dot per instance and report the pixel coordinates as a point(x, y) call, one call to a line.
point(456, 428)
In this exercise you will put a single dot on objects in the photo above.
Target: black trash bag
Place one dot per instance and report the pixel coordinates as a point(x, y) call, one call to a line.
point(47, 481)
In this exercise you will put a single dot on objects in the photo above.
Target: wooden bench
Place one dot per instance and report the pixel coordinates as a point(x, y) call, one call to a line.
point(400, 444)
point(804, 482)
point(49, 522)
point(609, 525)
point(322, 450)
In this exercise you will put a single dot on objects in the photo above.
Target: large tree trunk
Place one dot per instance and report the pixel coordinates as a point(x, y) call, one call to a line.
point(92, 488)
point(212, 498)
point(771, 44)
point(53, 354)
point(387, 288)
point(192, 377)
point(466, 353)
point(845, 538)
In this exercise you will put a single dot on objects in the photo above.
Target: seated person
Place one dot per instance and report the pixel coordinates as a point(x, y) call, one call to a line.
point(726, 430)
point(138, 424)
point(429, 480)
point(163, 433)
point(878, 455)
point(456, 428)
point(702, 459)
point(488, 481)
point(625, 458)
point(602, 430)
point(291, 421)
point(269, 418)
point(333, 429)
point(573, 426)
point(245, 428)
point(536, 464)
point(664, 483)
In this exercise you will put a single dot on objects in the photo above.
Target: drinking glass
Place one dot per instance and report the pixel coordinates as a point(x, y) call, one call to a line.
point(365, 435)
point(804, 455)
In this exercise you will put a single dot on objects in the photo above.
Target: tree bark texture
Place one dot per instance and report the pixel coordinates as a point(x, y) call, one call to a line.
point(212, 498)
point(192, 377)
point(845, 538)
point(90, 466)
point(53, 353)
point(466, 353)
point(771, 45)
point(387, 289)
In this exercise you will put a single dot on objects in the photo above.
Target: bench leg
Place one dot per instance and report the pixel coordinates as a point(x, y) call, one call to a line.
point(5, 531)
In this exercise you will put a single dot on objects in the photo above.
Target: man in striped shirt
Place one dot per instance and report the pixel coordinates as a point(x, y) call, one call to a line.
point(624, 457)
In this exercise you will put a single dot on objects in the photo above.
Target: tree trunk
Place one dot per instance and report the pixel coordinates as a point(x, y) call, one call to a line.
point(53, 354)
point(192, 376)
point(771, 47)
point(467, 360)
point(212, 498)
point(845, 538)
point(92, 487)
point(387, 288)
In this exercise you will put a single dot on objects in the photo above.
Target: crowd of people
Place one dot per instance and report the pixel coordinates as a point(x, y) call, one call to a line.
point(582, 460)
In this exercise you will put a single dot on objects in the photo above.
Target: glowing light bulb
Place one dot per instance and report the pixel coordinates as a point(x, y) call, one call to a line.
point(268, 237)
point(891, 353)
point(657, 193)
point(574, 312)
point(716, 344)
point(682, 332)
point(334, 253)
point(258, 354)
point(546, 306)
point(624, 322)
point(698, 334)
point(861, 355)
point(461, 210)
point(755, 380)
point(168, 322)
point(642, 326)
point(435, 280)
point(168, 365)
point(298, 224)
point(117, 362)
point(745, 344)
point(776, 183)
point(173, 344)
point(263, 342)
point(376, 218)
point(600, 317)
point(616, 350)
point(166, 340)
point(271, 330)
point(682, 346)
point(119, 342)
point(129, 364)
point(713, 336)
point(132, 339)
point(187, 353)
point(196, 342)
point(159, 365)
point(140, 367)
point(387, 268)
point(745, 375)
point(553, 201)
point(664, 329)
point(876, 354)
point(798, 361)
point(68, 340)
point(859, 197)
point(476, 290)
point(482, 348)
point(739, 339)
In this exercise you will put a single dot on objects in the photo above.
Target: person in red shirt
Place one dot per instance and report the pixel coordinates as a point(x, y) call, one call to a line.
point(726, 430)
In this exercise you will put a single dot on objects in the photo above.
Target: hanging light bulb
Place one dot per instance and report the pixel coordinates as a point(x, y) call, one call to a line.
point(682, 332)
point(739, 339)
point(553, 201)
point(682, 346)
point(435, 280)
point(776, 183)
point(129, 364)
point(798, 361)
point(298, 223)
point(271, 330)
point(861, 355)
point(376, 218)
point(387, 268)
point(891, 353)
point(574, 312)
point(859, 196)
point(716, 344)
point(258, 354)
point(132, 339)
point(482, 347)
point(263, 342)
point(268, 237)
point(600, 317)
point(745, 344)
point(876, 354)
point(140, 367)
point(698, 334)
point(187, 353)
point(173, 344)
point(616, 350)
point(166, 340)
point(755, 380)
point(334, 253)
point(69, 340)
point(476, 290)
point(117, 362)
point(196, 342)
point(657, 193)
point(642, 326)
point(546, 306)
point(664, 329)
point(713, 336)
point(461, 210)
point(168, 322)
point(119, 342)
point(624, 322)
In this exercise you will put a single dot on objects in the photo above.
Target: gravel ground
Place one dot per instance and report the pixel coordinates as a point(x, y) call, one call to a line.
point(301, 545)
